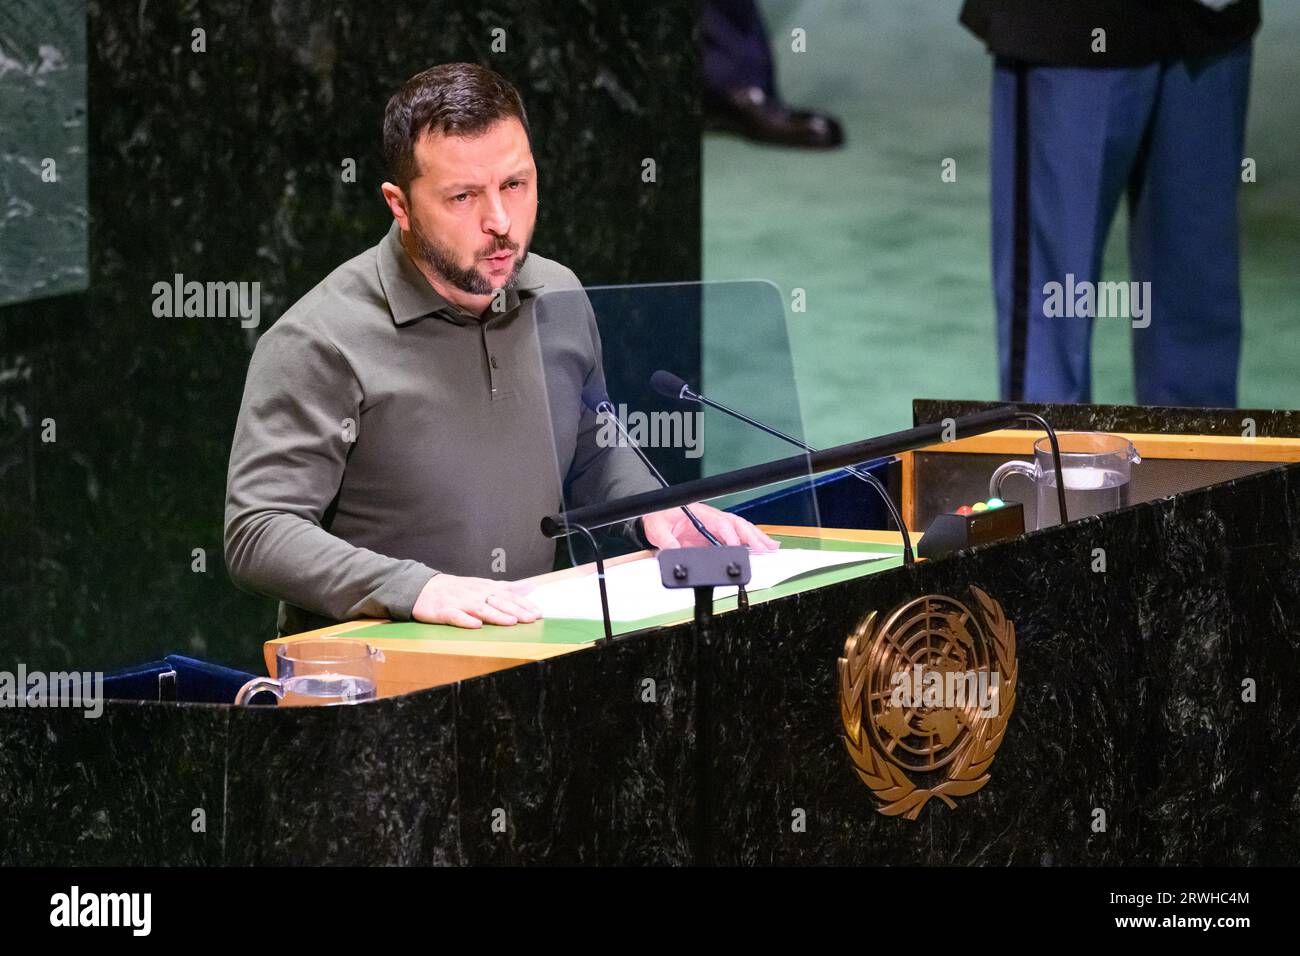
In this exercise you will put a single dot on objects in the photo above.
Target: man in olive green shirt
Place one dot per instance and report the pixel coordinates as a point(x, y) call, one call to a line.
point(407, 423)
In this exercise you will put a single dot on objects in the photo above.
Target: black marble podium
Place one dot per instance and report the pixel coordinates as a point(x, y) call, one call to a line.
point(1129, 701)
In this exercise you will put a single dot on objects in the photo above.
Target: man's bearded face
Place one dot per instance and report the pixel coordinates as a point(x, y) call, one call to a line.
point(473, 207)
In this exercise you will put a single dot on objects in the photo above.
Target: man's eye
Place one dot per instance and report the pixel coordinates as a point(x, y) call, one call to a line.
point(515, 184)
point(460, 198)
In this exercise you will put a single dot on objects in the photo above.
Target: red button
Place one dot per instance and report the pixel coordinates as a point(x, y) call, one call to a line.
point(965, 510)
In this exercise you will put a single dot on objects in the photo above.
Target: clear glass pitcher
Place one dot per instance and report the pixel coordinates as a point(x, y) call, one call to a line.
point(319, 672)
point(1096, 468)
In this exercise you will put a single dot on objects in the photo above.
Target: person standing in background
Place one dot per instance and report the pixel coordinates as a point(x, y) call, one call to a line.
point(740, 84)
point(1093, 99)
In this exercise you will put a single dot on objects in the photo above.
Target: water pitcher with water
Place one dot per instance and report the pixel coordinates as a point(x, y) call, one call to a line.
point(1096, 468)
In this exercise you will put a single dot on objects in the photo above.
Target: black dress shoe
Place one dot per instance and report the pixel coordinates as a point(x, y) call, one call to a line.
point(749, 112)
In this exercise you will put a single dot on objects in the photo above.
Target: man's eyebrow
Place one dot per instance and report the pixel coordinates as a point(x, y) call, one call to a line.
point(457, 188)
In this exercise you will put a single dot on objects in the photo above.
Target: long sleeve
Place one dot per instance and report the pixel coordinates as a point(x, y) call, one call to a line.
point(301, 404)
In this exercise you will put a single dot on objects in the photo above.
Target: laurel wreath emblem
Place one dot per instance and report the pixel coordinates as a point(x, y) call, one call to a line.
point(968, 771)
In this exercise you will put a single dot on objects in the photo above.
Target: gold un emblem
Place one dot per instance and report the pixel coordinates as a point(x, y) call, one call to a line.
point(925, 699)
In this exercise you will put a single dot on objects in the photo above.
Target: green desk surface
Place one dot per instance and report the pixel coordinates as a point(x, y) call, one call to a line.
point(569, 631)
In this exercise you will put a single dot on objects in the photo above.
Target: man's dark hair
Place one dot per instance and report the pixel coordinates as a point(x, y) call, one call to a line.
point(455, 99)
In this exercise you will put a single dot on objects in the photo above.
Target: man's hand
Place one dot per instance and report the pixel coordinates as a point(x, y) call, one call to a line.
point(473, 602)
point(672, 529)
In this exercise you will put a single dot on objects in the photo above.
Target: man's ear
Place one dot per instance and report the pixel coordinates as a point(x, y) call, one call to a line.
point(396, 201)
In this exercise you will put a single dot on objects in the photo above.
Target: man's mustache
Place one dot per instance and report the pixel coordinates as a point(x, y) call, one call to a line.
point(502, 244)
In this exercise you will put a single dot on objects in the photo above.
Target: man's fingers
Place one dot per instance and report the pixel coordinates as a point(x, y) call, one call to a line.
point(459, 618)
point(726, 530)
point(750, 537)
point(503, 601)
point(490, 615)
point(664, 538)
point(525, 614)
point(518, 594)
point(473, 602)
point(755, 539)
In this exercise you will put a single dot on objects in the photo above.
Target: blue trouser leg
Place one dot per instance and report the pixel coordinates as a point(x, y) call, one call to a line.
point(1063, 142)
point(736, 50)
point(1183, 233)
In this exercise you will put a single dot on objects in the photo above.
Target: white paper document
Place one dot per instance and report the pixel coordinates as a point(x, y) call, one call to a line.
point(636, 591)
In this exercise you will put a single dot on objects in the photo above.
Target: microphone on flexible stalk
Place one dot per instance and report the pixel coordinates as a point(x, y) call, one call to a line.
point(597, 400)
point(672, 386)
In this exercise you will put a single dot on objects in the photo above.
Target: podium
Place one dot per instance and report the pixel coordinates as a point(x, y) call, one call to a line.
point(1156, 719)
point(418, 656)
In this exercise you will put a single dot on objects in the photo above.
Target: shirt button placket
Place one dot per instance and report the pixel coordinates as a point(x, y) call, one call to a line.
point(491, 360)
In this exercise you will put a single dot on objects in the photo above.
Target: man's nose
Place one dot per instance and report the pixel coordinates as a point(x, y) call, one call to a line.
point(495, 218)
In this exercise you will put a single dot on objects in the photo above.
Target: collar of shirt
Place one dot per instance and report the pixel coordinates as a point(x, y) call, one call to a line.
point(411, 297)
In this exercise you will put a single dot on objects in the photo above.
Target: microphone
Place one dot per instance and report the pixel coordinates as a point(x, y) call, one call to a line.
point(671, 386)
point(597, 400)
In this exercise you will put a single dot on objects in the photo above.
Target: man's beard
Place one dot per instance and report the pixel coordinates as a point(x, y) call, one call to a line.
point(470, 280)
